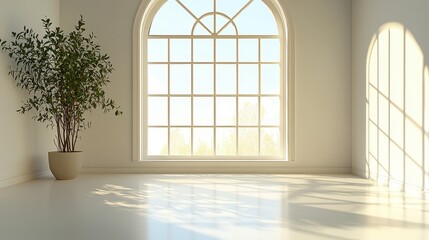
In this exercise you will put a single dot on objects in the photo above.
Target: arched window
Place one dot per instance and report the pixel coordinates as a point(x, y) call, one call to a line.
point(212, 81)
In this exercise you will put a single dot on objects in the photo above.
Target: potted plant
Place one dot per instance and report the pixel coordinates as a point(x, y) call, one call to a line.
point(64, 75)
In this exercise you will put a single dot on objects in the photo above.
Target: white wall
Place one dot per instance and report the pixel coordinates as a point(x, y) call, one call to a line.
point(322, 82)
point(391, 148)
point(23, 143)
point(323, 86)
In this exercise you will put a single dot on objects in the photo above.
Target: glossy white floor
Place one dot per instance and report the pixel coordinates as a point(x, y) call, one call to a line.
point(244, 207)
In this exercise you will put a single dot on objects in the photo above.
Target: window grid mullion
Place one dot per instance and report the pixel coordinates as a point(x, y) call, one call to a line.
point(169, 98)
point(214, 18)
point(237, 110)
point(214, 99)
point(192, 97)
point(214, 79)
point(259, 96)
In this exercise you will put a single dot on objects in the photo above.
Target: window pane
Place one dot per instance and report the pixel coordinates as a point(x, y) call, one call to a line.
point(226, 50)
point(203, 111)
point(180, 141)
point(270, 79)
point(203, 78)
point(229, 30)
point(157, 78)
point(157, 143)
point(226, 79)
point(248, 141)
point(248, 50)
point(263, 24)
point(225, 111)
point(171, 19)
point(229, 7)
point(203, 141)
point(200, 30)
point(248, 111)
point(203, 50)
point(270, 141)
point(200, 7)
point(225, 141)
point(221, 22)
point(270, 111)
point(157, 50)
point(180, 79)
point(248, 79)
point(157, 111)
point(180, 111)
point(270, 50)
point(180, 50)
point(208, 22)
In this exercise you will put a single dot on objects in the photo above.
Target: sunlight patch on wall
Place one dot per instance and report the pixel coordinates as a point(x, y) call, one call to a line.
point(397, 109)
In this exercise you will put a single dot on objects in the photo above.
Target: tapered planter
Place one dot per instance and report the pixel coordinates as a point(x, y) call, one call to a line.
point(65, 165)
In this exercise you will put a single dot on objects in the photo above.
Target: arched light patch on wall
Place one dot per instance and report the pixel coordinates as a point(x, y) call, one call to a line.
point(397, 109)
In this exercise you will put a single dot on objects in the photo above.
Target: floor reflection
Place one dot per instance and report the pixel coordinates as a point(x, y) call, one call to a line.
point(266, 207)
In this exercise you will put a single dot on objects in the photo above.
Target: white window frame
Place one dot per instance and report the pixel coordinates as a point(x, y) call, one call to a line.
point(144, 17)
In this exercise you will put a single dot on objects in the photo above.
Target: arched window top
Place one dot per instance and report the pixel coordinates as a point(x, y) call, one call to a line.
point(214, 17)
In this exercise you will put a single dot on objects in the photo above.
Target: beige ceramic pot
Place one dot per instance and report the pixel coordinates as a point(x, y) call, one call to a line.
point(65, 165)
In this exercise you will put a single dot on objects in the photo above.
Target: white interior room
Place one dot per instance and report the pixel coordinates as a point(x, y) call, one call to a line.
point(354, 164)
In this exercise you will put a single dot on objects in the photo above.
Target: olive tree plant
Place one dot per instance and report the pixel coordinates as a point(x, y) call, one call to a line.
point(64, 75)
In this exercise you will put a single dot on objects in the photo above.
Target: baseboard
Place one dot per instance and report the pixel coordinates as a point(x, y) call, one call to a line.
point(214, 170)
point(20, 178)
